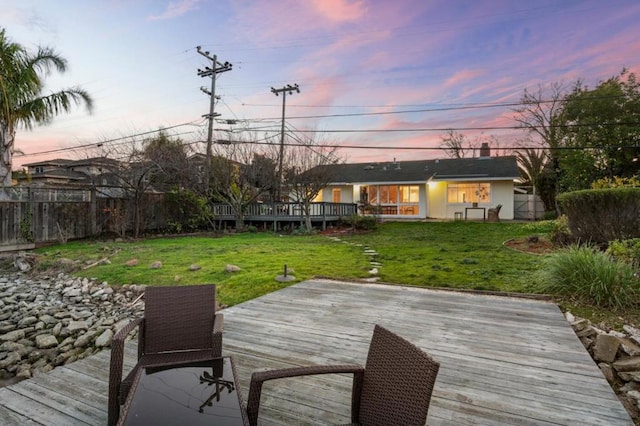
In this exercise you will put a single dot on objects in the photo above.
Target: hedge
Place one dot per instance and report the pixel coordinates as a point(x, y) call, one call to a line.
point(602, 215)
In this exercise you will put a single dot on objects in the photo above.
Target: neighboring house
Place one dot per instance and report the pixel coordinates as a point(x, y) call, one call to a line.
point(438, 189)
point(90, 171)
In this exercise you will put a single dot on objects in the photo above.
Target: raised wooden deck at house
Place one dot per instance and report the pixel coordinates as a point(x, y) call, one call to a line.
point(504, 361)
point(277, 213)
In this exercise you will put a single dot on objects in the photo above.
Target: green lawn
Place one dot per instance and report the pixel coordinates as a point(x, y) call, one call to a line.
point(453, 254)
point(468, 255)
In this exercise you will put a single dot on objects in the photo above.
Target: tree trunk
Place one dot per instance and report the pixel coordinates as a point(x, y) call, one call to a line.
point(238, 210)
point(7, 139)
point(239, 223)
point(137, 213)
point(306, 210)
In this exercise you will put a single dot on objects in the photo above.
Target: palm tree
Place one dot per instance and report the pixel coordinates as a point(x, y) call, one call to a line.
point(532, 163)
point(22, 103)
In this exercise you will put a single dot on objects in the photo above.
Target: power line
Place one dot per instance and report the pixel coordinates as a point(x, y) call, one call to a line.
point(443, 148)
point(98, 144)
point(446, 129)
point(458, 107)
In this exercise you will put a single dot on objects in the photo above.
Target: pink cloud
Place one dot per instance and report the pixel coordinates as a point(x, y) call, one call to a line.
point(341, 10)
point(463, 76)
point(175, 9)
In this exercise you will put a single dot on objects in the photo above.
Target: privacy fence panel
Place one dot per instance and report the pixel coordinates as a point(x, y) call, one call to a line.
point(15, 226)
point(33, 215)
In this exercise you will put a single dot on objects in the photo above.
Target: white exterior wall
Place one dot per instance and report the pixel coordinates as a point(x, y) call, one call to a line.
point(346, 194)
point(501, 193)
point(437, 200)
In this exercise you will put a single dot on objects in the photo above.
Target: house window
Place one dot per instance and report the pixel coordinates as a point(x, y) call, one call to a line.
point(394, 199)
point(39, 169)
point(409, 194)
point(469, 193)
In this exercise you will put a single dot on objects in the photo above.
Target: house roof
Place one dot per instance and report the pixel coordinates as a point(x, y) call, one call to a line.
point(94, 161)
point(452, 169)
point(57, 162)
point(63, 162)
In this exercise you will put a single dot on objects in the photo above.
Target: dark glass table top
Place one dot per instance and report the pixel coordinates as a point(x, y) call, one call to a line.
point(189, 394)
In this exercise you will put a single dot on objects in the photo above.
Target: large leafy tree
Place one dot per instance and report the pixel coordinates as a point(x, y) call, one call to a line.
point(22, 102)
point(172, 167)
point(588, 134)
point(600, 128)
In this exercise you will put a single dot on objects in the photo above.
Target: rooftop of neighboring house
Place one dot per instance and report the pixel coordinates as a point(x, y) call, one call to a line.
point(57, 162)
point(63, 162)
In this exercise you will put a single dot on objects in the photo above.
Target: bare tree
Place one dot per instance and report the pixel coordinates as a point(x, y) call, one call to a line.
point(129, 178)
point(155, 163)
point(241, 173)
point(539, 115)
point(307, 171)
point(454, 144)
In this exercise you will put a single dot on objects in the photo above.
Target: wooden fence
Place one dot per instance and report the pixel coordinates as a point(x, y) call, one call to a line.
point(35, 215)
point(527, 207)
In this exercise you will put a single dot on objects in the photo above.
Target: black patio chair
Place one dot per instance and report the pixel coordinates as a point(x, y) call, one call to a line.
point(180, 325)
point(393, 388)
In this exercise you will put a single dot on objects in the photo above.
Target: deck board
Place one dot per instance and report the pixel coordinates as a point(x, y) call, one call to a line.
point(504, 361)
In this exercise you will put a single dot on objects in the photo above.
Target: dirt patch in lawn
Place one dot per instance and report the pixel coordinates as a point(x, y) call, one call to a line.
point(533, 245)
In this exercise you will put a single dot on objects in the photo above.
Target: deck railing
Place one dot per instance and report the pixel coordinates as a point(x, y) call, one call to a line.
point(257, 211)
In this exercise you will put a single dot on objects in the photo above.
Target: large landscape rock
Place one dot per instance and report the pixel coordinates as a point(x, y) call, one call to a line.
point(618, 356)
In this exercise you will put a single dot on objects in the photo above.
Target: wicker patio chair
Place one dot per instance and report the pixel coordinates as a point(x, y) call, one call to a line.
point(394, 387)
point(179, 325)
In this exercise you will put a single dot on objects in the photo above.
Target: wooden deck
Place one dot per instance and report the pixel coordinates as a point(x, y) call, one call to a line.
point(278, 214)
point(504, 361)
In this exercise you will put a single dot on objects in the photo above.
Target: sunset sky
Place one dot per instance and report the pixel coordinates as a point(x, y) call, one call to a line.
point(359, 64)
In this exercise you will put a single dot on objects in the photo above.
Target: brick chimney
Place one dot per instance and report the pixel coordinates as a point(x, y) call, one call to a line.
point(485, 151)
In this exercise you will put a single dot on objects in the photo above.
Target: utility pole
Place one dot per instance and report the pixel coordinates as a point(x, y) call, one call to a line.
point(215, 68)
point(284, 90)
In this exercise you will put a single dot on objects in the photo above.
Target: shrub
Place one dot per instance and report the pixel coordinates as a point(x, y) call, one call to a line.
point(361, 222)
point(626, 250)
point(187, 211)
point(251, 229)
point(602, 215)
point(616, 182)
point(559, 233)
point(591, 277)
point(302, 230)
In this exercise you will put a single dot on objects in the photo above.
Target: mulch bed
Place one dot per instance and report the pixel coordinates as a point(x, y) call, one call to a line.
point(533, 245)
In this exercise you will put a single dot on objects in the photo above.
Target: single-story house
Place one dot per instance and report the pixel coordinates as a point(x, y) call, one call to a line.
point(437, 189)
